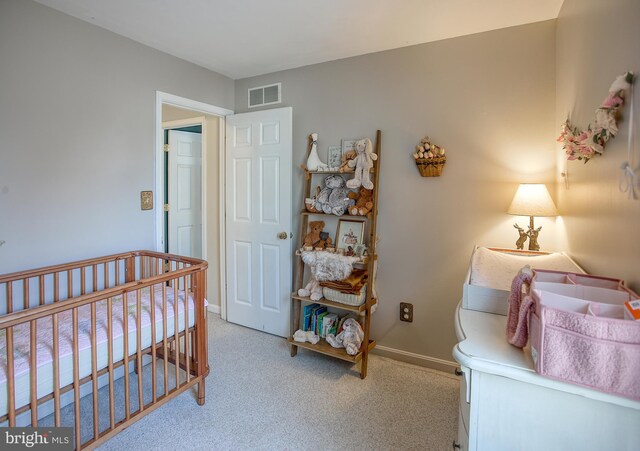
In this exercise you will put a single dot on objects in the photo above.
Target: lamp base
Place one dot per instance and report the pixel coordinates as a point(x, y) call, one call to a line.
point(531, 235)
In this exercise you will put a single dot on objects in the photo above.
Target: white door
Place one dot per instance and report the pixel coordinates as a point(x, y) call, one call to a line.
point(185, 193)
point(258, 219)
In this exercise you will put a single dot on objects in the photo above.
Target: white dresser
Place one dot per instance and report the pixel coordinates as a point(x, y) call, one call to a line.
point(506, 405)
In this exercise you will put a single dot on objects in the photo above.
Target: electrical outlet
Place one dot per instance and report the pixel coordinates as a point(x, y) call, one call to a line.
point(406, 312)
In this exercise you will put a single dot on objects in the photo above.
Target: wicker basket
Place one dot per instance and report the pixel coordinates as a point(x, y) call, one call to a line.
point(431, 167)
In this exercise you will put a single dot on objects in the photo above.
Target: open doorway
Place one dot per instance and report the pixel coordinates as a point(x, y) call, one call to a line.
point(190, 143)
point(183, 184)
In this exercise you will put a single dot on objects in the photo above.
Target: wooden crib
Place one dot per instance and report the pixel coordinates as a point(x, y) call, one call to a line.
point(62, 335)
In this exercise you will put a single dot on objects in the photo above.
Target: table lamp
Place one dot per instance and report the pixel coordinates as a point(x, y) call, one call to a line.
point(531, 199)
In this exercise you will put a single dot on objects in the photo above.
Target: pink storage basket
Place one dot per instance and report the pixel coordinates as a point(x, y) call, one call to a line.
point(577, 332)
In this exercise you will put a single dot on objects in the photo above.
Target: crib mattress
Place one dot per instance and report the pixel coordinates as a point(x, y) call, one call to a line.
point(21, 338)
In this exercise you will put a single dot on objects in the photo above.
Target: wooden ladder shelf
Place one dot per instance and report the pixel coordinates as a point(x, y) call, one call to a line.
point(365, 309)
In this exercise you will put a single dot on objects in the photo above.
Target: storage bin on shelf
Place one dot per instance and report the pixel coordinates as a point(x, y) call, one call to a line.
point(345, 298)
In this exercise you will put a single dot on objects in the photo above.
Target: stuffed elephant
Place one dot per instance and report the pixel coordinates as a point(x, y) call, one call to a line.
point(335, 198)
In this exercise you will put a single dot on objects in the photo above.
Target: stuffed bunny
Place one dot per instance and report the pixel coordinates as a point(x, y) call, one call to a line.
point(363, 163)
point(350, 338)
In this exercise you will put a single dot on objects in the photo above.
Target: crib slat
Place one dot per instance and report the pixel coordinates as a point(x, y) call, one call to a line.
point(33, 372)
point(56, 287)
point(9, 297)
point(139, 349)
point(83, 282)
point(76, 377)
point(41, 286)
point(112, 417)
point(152, 298)
point(106, 275)
point(186, 327)
point(11, 393)
point(176, 338)
point(69, 284)
point(125, 336)
point(10, 357)
point(165, 352)
point(117, 264)
point(94, 369)
point(56, 371)
point(25, 293)
point(94, 272)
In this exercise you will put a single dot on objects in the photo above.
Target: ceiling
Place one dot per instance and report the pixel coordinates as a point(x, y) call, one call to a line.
point(242, 38)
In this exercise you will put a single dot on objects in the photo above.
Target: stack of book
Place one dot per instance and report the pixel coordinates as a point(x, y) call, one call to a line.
point(316, 318)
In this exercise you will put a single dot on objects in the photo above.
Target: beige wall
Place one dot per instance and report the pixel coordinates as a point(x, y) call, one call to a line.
point(598, 40)
point(488, 99)
point(212, 200)
point(77, 118)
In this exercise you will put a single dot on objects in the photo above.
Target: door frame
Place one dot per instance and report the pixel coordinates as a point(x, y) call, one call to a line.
point(196, 107)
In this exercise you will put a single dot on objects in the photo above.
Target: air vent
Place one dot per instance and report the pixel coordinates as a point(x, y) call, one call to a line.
point(265, 95)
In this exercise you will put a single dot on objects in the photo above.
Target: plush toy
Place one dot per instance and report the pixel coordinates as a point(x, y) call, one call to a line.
point(301, 336)
point(362, 163)
point(313, 162)
point(316, 237)
point(334, 199)
point(313, 289)
point(364, 202)
point(324, 267)
point(350, 338)
point(328, 267)
point(346, 158)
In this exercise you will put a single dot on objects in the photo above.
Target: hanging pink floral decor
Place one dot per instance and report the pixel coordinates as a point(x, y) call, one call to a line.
point(584, 145)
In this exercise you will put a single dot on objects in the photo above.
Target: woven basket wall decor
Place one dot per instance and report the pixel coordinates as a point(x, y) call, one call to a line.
point(431, 167)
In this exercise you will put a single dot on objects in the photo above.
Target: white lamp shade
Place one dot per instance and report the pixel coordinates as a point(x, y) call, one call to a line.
point(532, 199)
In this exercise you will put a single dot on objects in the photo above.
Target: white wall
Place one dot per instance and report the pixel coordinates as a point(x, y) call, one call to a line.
point(598, 40)
point(77, 112)
point(488, 99)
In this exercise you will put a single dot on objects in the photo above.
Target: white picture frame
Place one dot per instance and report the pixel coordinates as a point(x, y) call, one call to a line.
point(334, 157)
point(349, 234)
point(349, 144)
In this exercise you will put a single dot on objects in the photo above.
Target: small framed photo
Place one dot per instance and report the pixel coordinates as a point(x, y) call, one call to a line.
point(348, 145)
point(349, 235)
point(334, 157)
point(359, 250)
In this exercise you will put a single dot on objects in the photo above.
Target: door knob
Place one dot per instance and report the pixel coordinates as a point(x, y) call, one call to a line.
point(282, 235)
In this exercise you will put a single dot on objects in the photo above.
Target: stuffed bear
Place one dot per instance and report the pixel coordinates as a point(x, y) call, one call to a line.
point(364, 202)
point(350, 338)
point(346, 158)
point(334, 199)
point(316, 237)
point(363, 163)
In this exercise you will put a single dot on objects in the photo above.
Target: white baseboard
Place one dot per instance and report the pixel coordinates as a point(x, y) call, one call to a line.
point(215, 309)
point(416, 359)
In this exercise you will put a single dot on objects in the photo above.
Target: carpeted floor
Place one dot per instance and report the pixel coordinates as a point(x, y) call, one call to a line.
point(258, 397)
